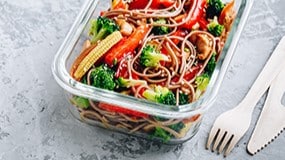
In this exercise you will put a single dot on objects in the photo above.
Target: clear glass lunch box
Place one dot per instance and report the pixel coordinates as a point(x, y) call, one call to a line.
point(191, 114)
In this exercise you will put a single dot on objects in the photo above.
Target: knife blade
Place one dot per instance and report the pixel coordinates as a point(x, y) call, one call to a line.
point(271, 121)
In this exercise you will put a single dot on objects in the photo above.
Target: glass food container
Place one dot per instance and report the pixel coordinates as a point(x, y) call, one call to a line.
point(153, 118)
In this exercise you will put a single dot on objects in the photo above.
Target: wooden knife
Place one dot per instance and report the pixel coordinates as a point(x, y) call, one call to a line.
point(272, 118)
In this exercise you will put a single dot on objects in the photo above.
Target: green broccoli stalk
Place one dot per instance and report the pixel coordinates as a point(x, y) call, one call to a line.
point(80, 102)
point(214, 8)
point(101, 28)
point(123, 82)
point(215, 28)
point(201, 82)
point(209, 69)
point(160, 30)
point(183, 98)
point(150, 57)
point(160, 95)
point(103, 77)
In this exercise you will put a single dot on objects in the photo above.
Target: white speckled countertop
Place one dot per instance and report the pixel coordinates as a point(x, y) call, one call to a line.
point(35, 123)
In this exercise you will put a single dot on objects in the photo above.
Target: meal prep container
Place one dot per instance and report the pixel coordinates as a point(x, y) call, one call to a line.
point(192, 113)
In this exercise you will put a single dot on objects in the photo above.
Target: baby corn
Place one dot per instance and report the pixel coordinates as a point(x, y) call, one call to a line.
point(96, 53)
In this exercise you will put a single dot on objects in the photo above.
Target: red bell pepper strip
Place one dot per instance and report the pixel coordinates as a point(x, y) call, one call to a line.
point(156, 4)
point(122, 71)
point(203, 23)
point(118, 109)
point(125, 46)
point(179, 33)
point(190, 74)
point(138, 4)
point(164, 51)
point(197, 14)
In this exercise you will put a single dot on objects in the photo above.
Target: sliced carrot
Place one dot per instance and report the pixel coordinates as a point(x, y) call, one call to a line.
point(228, 9)
point(180, 17)
point(191, 119)
point(125, 46)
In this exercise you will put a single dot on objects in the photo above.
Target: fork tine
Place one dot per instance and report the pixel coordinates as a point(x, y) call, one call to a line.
point(218, 139)
point(211, 137)
point(225, 142)
point(231, 145)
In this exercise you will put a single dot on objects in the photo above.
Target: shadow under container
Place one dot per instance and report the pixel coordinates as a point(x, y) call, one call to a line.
point(151, 118)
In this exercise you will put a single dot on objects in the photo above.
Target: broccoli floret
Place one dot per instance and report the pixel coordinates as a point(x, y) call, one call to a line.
point(177, 127)
point(101, 28)
point(80, 102)
point(103, 77)
point(123, 82)
point(202, 82)
point(150, 57)
point(215, 28)
point(214, 8)
point(160, 95)
point(164, 135)
point(211, 65)
point(84, 79)
point(183, 99)
point(160, 30)
point(161, 133)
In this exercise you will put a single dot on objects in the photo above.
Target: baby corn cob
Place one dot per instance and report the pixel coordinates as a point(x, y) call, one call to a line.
point(96, 53)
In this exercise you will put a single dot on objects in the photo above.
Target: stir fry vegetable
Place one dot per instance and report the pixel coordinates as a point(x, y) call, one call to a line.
point(123, 82)
point(160, 30)
point(195, 17)
point(102, 27)
point(150, 57)
point(103, 77)
point(214, 8)
point(183, 99)
point(215, 28)
point(209, 69)
point(96, 53)
point(161, 95)
point(126, 46)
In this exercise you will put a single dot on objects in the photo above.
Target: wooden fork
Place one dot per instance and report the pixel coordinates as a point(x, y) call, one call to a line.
point(230, 126)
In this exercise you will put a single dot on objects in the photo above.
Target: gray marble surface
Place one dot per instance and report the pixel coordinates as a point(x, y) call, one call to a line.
point(35, 123)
